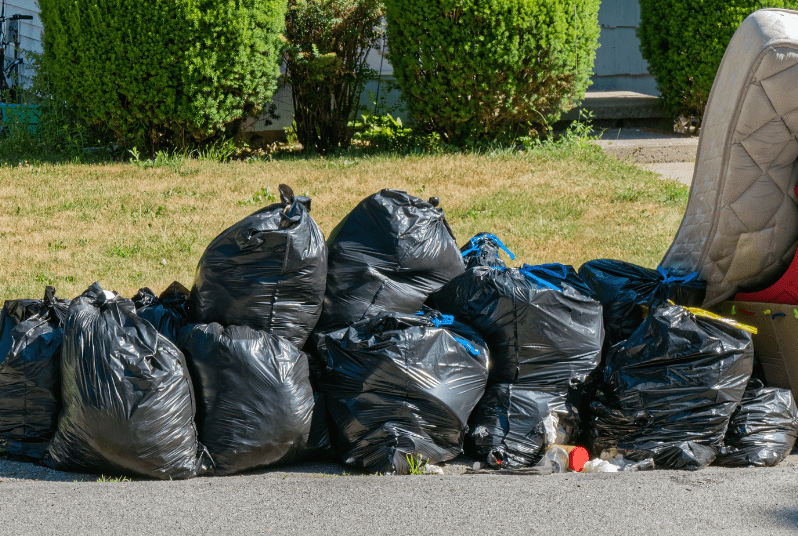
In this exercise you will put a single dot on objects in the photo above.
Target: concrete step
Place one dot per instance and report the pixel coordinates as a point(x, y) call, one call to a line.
point(621, 109)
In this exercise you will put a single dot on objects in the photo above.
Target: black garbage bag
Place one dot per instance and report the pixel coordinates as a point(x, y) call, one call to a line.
point(627, 292)
point(540, 322)
point(256, 407)
point(128, 399)
point(483, 250)
point(267, 271)
point(514, 423)
point(762, 431)
point(30, 374)
point(670, 389)
point(388, 254)
point(402, 386)
point(167, 312)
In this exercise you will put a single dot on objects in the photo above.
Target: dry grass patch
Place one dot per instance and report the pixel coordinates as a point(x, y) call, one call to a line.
point(128, 226)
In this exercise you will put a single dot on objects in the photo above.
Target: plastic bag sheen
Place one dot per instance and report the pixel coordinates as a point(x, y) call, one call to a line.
point(670, 389)
point(267, 271)
point(540, 322)
point(400, 386)
point(128, 399)
point(627, 292)
point(167, 312)
point(256, 407)
point(30, 374)
point(762, 430)
point(388, 254)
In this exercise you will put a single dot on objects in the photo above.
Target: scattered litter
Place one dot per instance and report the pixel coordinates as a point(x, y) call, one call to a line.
point(507, 427)
point(430, 469)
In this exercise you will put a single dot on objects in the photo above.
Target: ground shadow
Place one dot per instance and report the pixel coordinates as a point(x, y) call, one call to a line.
point(786, 517)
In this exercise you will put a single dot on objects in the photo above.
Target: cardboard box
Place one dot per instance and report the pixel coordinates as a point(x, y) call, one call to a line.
point(776, 343)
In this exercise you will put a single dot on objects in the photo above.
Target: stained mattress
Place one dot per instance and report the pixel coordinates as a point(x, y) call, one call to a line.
point(740, 228)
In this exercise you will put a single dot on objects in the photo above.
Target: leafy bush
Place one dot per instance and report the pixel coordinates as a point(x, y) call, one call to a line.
point(474, 68)
point(163, 72)
point(328, 41)
point(684, 41)
point(385, 133)
point(56, 135)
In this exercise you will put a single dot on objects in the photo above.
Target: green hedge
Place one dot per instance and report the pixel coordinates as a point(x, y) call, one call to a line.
point(163, 72)
point(684, 41)
point(472, 69)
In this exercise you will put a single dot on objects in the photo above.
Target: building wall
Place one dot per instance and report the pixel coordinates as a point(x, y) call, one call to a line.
point(619, 64)
point(30, 30)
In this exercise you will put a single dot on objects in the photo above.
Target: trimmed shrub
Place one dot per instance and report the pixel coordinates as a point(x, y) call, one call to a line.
point(684, 41)
point(471, 69)
point(328, 41)
point(163, 72)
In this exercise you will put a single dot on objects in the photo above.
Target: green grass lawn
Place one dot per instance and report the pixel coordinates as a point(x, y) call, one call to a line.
point(129, 226)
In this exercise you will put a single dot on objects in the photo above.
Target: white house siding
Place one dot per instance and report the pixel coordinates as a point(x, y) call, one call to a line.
point(30, 30)
point(619, 64)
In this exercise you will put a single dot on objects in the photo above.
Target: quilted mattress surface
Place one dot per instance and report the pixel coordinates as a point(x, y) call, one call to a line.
point(741, 225)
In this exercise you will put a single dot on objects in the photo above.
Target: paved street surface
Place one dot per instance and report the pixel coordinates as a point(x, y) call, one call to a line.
point(311, 499)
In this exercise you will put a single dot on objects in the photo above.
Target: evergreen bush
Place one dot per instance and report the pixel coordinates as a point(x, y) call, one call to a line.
point(472, 69)
point(163, 72)
point(325, 59)
point(684, 42)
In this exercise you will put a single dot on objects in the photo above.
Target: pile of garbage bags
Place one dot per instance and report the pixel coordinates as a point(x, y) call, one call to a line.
point(388, 347)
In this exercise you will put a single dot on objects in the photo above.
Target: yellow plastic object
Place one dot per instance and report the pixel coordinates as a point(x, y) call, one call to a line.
point(700, 312)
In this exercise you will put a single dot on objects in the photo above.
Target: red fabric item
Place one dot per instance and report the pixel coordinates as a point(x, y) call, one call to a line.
point(784, 291)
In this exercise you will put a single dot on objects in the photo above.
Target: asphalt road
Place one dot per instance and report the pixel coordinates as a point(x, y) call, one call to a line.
point(311, 499)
